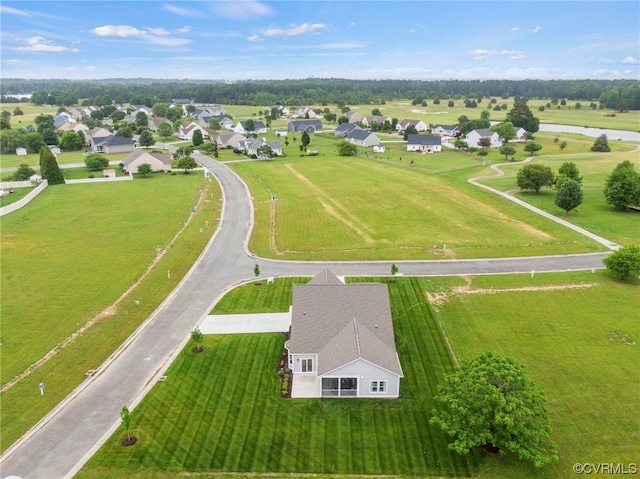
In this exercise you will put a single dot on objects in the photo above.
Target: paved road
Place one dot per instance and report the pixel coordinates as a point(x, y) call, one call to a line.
point(66, 438)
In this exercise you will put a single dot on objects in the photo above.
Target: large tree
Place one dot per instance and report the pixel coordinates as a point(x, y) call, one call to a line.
point(506, 130)
point(625, 263)
point(569, 196)
point(622, 188)
point(49, 169)
point(347, 149)
point(601, 144)
point(491, 402)
point(186, 163)
point(507, 151)
point(521, 116)
point(197, 139)
point(570, 171)
point(305, 139)
point(165, 130)
point(534, 176)
point(96, 162)
point(23, 173)
point(70, 140)
point(144, 169)
point(532, 147)
point(146, 138)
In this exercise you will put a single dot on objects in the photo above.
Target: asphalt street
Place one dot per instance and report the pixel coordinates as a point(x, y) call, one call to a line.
point(64, 440)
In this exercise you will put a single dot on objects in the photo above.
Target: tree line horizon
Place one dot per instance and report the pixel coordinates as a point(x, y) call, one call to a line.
point(615, 94)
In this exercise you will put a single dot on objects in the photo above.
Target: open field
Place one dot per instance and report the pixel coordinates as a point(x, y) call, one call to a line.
point(576, 334)
point(231, 418)
point(594, 214)
point(75, 295)
point(387, 212)
point(17, 195)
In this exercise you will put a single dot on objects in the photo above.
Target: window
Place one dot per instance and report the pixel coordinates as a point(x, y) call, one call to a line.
point(307, 365)
point(378, 386)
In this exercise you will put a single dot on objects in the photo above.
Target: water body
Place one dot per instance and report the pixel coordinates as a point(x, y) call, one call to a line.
point(593, 132)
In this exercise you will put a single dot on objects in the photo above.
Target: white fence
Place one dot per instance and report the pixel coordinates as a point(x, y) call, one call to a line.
point(98, 180)
point(20, 203)
point(5, 185)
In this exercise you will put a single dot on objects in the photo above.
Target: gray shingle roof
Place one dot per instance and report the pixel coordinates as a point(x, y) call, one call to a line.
point(358, 134)
point(414, 139)
point(343, 322)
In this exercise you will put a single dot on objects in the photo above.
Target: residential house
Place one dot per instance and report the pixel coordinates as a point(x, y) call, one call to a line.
point(156, 121)
point(282, 110)
point(521, 134)
point(158, 161)
point(136, 108)
point(310, 126)
point(223, 120)
point(353, 116)
point(259, 128)
point(112, 144)
point(343, 129)
point(187, 128)
point(251, 146)
point(96, 133)
point(370, 119)
point(419, 125)
point(361, 137)
point(446, 130)
point(424, 143)
point(473, 138)
point(304, 112)
point(379, 149)
point(282, 133)
point(226, 139)
point(342, 342)
point(62, 118)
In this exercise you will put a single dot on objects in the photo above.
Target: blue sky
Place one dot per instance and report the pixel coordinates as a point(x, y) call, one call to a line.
point(247, 39)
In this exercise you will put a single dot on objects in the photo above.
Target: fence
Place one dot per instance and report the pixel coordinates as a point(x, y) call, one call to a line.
point(20, 203)
point(98, 180)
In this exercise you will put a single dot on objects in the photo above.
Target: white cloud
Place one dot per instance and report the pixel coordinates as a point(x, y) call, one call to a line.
point(158, 31)
point(240, 10)
point(537, 29)
point(70, 69)
point(118, 31)
point(603, 61)
point(183, 12)
point(91, 68)
point(167, 41)
point(254, 38)
point(185, 29)
point(293, 30)
point(39, 44)
point(630, 61)
point(75, 50)
point(353, 24)
point(480, 54)
point(14, 11)
point(343, 45)
point(515, 29)
point(513, 54)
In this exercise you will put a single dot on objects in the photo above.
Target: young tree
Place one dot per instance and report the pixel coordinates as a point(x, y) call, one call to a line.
point(569, 196)
point(410, 130)
point(347, 149)
point(196, 337)
point(625, 263)
point(532, 147)
point(485, 142)
point(70, 140)
point(146, 138)
point(144, 169)
point(562, 145)
point(214, 124)
point(125, 419)
point(96, 162)
point(622, 188)
point(5, 120)
point(601, 144)
point(569, 170)
point(507, 151)
point(460, 144)
point(49, 169)
point(265, 151)
point(376, 112)
point(491, 402)
point(535, 176)
point(187, 163)
point(305, 139)
point(256, 269)
point(249, 126)
point(394, 269)
point(197, 139)
point(142, 119)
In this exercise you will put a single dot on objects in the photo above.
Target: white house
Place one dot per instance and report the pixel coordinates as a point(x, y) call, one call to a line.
point(251, 147)
point(419, 125)
point(158, 161)
point(342, 342)
point(474, 136)
point(446, 130)
point(424, 143)
point(259, 128)
point(521, 134)
point(187, 128)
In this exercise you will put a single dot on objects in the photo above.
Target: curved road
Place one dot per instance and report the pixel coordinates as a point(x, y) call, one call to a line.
point(65, 439)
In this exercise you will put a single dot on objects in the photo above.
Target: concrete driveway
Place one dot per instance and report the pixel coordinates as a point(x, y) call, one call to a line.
point(246, 323)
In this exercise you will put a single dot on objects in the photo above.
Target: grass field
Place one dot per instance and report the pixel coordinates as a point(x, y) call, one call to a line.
point(594, 214)
point(47, 297)
point(578, 343)
point(384, 211)
point(230, 418)
point(16, 195)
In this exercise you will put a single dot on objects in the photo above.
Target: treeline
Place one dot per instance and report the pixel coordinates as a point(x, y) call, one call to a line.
point(618, 94)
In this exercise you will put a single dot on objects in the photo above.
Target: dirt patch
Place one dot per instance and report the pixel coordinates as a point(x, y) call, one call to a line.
point(329, 209)
point(273, 245)
point(439, 299)
point(111, 309)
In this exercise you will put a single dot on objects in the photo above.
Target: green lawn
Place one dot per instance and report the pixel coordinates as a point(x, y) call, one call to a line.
point(64, 158)
point(46, 297)
point(16, 195)
point(332, 207)
point(594, 214)
point(219, 411)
